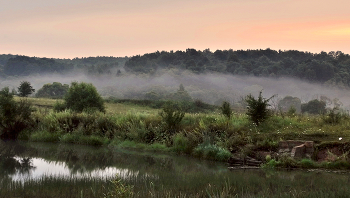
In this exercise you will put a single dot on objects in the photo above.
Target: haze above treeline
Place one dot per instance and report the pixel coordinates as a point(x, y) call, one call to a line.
point(209, 76)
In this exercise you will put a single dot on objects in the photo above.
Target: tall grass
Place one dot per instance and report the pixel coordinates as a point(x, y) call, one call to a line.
point(143, 125)
point(55, 187)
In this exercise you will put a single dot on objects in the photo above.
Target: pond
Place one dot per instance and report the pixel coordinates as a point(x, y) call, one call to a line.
point(63, 170)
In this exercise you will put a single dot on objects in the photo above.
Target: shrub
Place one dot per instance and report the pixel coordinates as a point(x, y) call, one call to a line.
point(307, 163)
point(83, 96)
point(211, 152)
point(271, 163)
point(172, 116)
point(332, 117)
point(258, 110)
point(287, 162)
point(226, 109)
point(181, 144)
point(59, 106)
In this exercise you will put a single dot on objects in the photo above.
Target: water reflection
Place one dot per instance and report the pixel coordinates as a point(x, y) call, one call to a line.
point(11, 165)
point(34, 160)
point(21, 161)
point(150, 172)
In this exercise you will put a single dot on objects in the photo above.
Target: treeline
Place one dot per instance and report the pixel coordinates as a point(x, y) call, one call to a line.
point(332, 68)
point(14, 65)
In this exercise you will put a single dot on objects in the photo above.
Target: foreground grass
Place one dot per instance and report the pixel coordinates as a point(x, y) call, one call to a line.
point(241, 184)
point(50, 186)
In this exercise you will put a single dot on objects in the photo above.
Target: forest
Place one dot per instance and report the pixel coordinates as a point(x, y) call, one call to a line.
point(330, 68)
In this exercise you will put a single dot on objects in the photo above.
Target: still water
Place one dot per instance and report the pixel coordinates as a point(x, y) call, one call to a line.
point(21, 162)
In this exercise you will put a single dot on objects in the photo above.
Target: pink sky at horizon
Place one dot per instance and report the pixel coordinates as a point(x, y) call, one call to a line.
point(82, 28)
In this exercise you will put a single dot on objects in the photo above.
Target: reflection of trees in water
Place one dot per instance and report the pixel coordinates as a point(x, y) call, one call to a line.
point(13, 165)
point(83, 161)
point(134, 165)
point(10, 163)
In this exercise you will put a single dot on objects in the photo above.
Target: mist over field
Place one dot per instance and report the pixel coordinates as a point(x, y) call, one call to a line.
point(211, 88)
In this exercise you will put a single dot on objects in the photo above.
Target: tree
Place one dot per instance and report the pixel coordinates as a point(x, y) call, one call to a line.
point(54, 90)
point(83, 96)
point(14, 116)
point(258, 110)
point(287, 102)
point(180, 95)
point(25, 89)
point(314, 107)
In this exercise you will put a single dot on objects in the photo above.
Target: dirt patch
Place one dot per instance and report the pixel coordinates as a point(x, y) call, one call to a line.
point(329, 154)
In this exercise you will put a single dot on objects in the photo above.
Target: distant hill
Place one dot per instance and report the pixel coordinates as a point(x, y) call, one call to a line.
point(331, 68)
point(14, 65)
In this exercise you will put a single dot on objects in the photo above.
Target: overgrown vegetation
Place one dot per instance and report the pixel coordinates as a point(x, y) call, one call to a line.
point(14, 116)
point(82, 118)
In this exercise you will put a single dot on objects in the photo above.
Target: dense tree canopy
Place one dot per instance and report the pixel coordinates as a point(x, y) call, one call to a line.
point(331, 68)
point(12, 65)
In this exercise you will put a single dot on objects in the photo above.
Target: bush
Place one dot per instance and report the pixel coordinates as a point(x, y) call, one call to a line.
point(172, 116)
point(59, 106)
point(258, 110)
point(181, 144)
point(307, 163)
point(332, 117)
point(14, 116)
point(83, 97)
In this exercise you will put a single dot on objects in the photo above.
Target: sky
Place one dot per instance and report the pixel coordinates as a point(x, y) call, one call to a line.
point(83, 28)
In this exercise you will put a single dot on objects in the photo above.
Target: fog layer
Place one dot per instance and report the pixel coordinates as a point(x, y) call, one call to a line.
point(210, 88)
